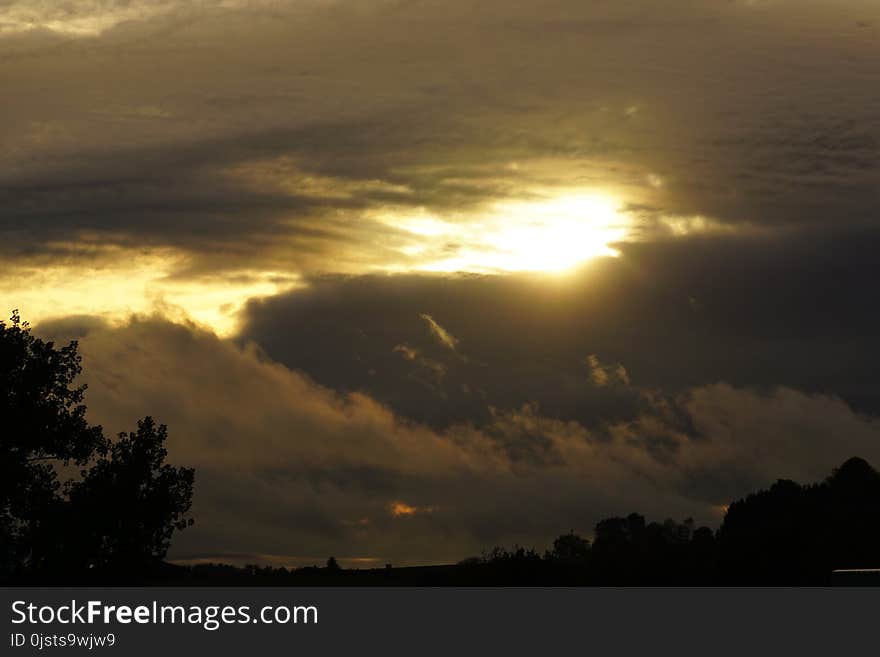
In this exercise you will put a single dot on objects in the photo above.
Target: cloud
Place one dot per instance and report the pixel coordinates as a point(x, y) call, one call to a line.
point(674, 315)
point(91, 18)
point(721, 440)
point(442, 336)
point(428, 372)
point(288, 467)
point(603, 374)
point(406, 351)
point(297, 462)
point(318, 146)
point(291, 168)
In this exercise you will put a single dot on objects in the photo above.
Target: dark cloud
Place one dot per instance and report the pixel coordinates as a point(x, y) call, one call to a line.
point(749, 311)
point(294, 471)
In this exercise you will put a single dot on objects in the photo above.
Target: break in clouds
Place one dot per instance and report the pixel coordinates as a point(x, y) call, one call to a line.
point(335, 223)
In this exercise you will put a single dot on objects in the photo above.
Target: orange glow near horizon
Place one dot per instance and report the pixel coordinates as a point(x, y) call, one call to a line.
point(400, 509)
point(403, 510)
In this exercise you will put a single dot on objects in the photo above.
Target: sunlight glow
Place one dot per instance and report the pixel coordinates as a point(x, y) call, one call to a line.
point(550, 235)
point(142, 283)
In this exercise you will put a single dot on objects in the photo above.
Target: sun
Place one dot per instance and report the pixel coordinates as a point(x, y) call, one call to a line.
point(550, 235)
point(555, 235)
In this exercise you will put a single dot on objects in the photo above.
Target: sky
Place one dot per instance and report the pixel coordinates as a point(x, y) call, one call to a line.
point(408, 279)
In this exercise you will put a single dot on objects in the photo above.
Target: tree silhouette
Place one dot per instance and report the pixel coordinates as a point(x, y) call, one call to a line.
point(570, 547)
point(851, 515)
point(795, 534)
point(43, 424)
point(122, 510)
point(129, 503)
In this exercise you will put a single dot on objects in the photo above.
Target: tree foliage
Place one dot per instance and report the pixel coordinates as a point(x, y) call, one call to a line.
point(122, 509)
point(793, 533)
point(570, 547)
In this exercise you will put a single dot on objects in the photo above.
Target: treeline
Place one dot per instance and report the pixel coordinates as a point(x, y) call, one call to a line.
point(789, 534)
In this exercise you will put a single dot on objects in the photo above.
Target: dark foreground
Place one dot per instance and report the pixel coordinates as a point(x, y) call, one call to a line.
point(788, 535)
point(448, 575)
